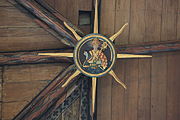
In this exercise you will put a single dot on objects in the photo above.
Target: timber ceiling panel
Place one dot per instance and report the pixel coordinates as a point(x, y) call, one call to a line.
point(19, 31)
point(149, 20)
point(22, 83)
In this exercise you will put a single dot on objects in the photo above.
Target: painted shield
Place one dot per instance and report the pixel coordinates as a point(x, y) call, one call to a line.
point(94, 55)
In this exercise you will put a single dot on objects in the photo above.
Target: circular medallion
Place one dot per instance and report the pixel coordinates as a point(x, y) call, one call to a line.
point(94, 55)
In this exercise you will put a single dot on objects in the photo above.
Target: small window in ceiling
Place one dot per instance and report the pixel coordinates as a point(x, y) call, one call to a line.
point(85, 18)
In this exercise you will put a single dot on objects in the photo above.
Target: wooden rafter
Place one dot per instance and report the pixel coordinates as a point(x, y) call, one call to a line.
point(149, 48)
point(50, 20)
point(53, 95)
point(16, 58)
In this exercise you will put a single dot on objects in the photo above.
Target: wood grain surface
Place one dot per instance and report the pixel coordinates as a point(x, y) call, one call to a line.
point(153, 84)
point(152, 92)
point(22, 83)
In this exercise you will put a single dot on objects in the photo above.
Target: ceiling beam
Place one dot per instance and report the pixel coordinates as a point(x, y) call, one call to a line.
point(16, 58)
point(50, 20)
point(149, 48)
point(32, 57)
point(50, 97)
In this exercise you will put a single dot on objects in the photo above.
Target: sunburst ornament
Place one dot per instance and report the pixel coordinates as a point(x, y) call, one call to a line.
point(95, 56)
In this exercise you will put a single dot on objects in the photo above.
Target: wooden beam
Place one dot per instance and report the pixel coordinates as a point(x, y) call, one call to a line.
point(50, 19)
point(57, 15)
point(50, 98)
point(16, 58)
point(149, 48)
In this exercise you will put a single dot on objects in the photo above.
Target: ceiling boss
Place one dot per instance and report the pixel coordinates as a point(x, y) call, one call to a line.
point(95, 55)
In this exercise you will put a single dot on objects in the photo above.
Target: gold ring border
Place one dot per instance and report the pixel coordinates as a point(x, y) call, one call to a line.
point(76, 60)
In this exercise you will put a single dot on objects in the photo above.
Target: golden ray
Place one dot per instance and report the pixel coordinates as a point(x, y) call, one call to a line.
point(117, 79)
point(96, 18)
point(57, 54)
point(132, 56)
point(94, 80)
point(73, 31)
point(77, 72)
point(118, 33)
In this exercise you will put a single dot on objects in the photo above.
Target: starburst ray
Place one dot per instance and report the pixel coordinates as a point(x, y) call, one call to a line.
point(73, 31)
point(96, 29)
point(117, 79)
point(112, 38)
point(57, 54)
point(76, 73)
point(94, 80)
point(132, 56)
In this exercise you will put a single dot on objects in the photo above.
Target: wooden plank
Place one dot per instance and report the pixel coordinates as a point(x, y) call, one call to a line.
point(144, 89)
point(1, 80)
point(153, 20)
point(137, 23)
point(22, 32)
point(61, 7)
point(52, 13)
point(5, 3)
point(1, 76)
point(30, 38)
point(158, 87)
point(1, 90)
point(52, 23)
point(131, 95)
point(73, 11)
point(50, 20)
point(169, 20)
point(10, 110)
point(1, 111)
point(25, 91)
point(23, 35)
point(32, 57)
point(43, 101)
point(107, 22)
point(12, 17)
point(104, 103)
point(29, 43)
point(104, 94)
point(32, 73)
point(118, 93)
point(122, 17)
point(178, 21)
point(173, 85)
point(51, 3)
point(149, 48)
point(85, 5)
point(69, 9)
